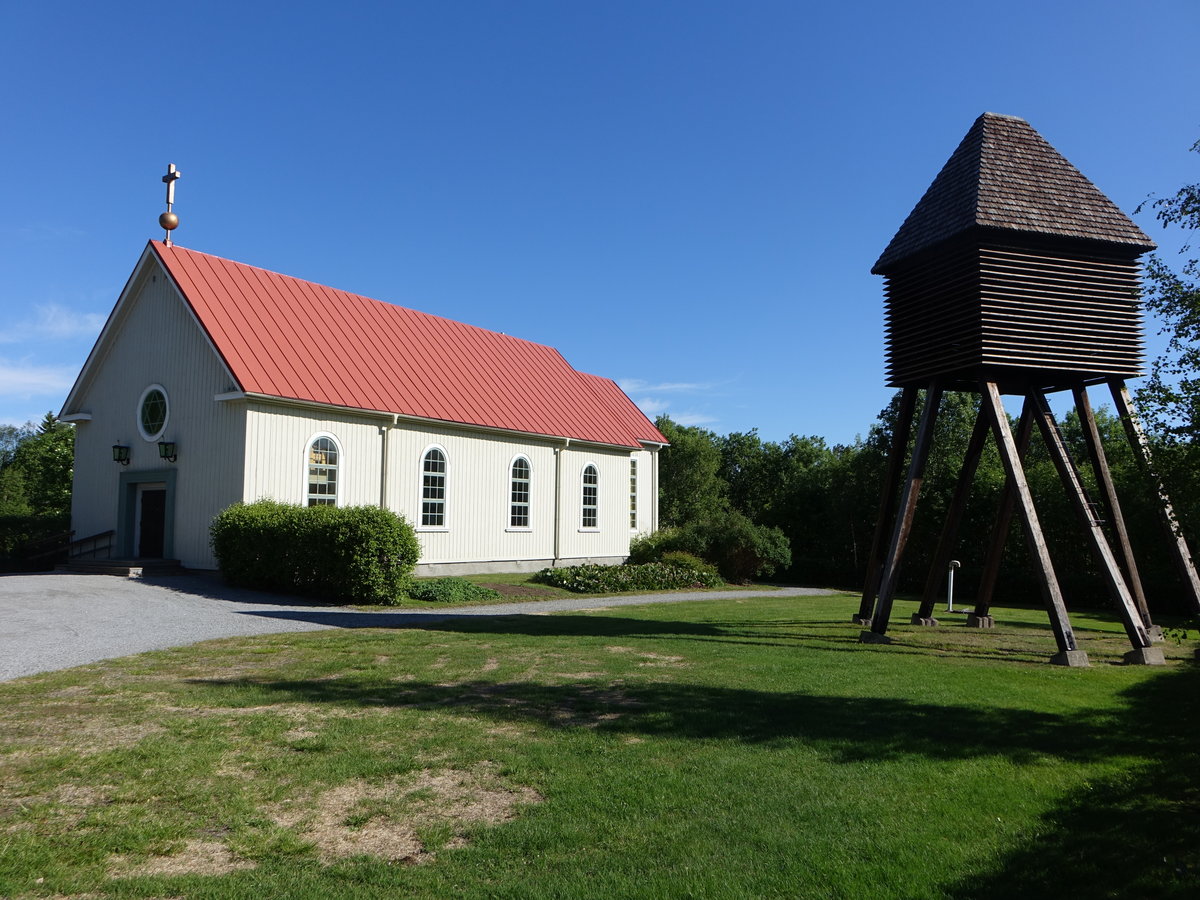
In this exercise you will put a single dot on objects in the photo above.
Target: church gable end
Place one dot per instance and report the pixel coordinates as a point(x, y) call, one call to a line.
point(152, 349)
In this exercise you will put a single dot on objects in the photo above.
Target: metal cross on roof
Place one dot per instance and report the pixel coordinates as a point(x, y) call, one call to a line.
point(169, 180)
point(168, 220)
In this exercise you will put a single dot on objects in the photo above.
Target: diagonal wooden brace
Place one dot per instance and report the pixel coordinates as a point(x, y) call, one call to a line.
point(1130, 616)
point(1055, 607)
point(908, 507)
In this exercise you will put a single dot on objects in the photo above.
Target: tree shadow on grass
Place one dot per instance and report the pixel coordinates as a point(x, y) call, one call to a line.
point(1136, 835)
point(849, 729)
point(826, 635)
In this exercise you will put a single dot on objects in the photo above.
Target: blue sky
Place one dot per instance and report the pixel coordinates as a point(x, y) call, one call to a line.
point(684, 196)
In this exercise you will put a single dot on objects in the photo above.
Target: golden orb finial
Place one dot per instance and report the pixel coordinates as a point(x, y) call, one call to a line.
point(168, 221)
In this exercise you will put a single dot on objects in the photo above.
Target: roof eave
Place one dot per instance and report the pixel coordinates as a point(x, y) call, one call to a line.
point(420, 420)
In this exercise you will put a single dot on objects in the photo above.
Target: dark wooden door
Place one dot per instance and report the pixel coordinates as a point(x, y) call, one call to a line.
point(152, 523)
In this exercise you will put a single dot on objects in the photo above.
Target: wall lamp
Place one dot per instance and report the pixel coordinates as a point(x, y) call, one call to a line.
point(166, 450)
point(121, 454)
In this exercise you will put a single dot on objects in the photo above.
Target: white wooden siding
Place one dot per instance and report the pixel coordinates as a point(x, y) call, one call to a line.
point(478, 484)
point(611, 538)
point(277, 442)
point(158, 341)
point(647, 491)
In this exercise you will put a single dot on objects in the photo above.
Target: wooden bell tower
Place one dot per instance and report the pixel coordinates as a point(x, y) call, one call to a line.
point(1014, 274)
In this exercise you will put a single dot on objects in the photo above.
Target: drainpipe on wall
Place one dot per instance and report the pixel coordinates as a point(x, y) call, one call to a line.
point(654, 489)
point(384, 430)
point(558, 499)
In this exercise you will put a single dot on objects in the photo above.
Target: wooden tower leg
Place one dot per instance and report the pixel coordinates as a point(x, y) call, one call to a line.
point(1095, 449)
point(958, 505)
point(904, 520)
point(1134, 627)
point(887, 504)
point(1141, 450)
point(1069, 653)
point(982, 616)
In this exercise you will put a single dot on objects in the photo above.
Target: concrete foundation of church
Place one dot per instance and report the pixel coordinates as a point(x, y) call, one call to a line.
point(496, 567)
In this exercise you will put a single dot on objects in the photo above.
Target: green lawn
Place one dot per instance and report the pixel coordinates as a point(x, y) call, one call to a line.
point(724, 748)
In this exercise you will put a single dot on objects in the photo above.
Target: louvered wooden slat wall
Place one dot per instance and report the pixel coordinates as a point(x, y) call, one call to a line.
point(1037, 314)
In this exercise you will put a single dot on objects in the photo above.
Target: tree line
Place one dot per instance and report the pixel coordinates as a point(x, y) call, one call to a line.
point(825, 501)
point(35, 484)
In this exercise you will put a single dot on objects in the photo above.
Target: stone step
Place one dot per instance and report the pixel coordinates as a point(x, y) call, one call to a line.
point(129, 568)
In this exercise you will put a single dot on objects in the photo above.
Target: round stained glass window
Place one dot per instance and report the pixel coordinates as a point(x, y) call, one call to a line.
point(152, 412)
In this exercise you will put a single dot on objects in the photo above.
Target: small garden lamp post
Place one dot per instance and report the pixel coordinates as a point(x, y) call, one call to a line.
point(954, 564)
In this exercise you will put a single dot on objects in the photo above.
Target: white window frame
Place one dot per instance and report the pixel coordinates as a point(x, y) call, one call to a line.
point(512, 481)
point(633, 493)
point(583, 507)
point(137, 413)
point(340, 468)
point(445, 499)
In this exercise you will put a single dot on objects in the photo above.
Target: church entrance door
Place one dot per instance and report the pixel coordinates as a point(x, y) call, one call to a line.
point(151, 520)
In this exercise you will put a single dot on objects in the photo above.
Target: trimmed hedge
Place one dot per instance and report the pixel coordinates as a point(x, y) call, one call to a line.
point(354, 554)
point(596, 579)
point(450, 590)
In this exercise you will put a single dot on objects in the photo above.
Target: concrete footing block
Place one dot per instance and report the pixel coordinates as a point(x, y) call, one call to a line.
point(929, 622)
point(870, 637)
point(1154, 632)
point(1145, 656)
point(864, 621)
point(1076, 659)
point(974, 621)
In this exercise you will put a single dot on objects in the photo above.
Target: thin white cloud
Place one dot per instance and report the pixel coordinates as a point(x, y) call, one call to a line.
point(21, 381)
point(51, 321)
point(644, 394)
point(42, 233)
point(638, 386)
point(652, 406)
point(691, 418)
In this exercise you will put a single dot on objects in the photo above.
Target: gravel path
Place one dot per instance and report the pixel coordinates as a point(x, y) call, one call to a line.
point(55, 621)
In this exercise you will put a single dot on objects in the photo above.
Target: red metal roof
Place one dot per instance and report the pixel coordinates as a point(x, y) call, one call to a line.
point(289, 338)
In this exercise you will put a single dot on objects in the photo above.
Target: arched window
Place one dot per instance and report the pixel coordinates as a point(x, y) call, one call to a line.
point(518, 510)
point(433, 489)
point(322, 472)
point(591, 497)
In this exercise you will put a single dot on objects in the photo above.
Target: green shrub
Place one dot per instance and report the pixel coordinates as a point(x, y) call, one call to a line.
point(450, 590)
point(685, 560)
point(736, 546)
point(596, 579)
point(742, 550)
point(647, 548)
point(356, 554)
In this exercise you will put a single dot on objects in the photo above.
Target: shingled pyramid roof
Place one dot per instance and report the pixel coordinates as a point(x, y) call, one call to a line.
point(1004, 175)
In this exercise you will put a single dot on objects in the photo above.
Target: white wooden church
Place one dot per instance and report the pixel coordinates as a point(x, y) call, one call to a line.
point(214, 382)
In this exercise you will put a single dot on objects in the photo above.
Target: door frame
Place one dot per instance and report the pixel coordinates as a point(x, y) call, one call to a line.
point(127, 510)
